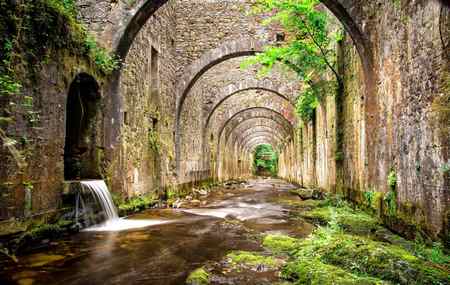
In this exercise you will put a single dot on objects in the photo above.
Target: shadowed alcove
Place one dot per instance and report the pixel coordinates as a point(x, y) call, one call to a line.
point(80, 155)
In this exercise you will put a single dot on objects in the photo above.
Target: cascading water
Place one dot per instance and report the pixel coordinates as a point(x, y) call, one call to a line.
point(100, 195)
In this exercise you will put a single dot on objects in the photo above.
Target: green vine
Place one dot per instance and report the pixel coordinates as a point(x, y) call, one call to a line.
point(309, 49)
point(391, 197)
point(154, 141)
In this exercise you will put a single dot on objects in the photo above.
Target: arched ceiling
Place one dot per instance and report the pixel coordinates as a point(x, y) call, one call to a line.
point(245, 128)
point(250, 99)
point(247, 148)
point(250, 113)
point(126, 22)
point(243, 141)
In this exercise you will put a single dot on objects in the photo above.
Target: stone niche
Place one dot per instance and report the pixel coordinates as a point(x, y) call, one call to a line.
point(81, 157)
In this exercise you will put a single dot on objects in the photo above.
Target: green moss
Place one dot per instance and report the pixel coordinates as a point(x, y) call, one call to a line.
point(154, 141)
point(37, 231)
point(198, 277)
point(364, 257)
point(246, 258)
point(297, 203)
point(435, 253)
point(280, 243)
point(137, 204)
point(345, 252)
point(33, 30)
point(314, 272)
point(353, 220)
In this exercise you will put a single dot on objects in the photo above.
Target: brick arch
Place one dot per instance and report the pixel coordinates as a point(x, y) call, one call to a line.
point(242, 86)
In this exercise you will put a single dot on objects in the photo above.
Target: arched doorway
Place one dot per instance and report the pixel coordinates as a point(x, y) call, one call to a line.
point(80, 152)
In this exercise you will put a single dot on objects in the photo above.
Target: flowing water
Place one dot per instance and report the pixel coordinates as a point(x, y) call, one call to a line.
point(113, 223)
point(165, 250)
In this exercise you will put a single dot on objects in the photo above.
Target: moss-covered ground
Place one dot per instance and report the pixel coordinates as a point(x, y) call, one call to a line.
point(350, 246)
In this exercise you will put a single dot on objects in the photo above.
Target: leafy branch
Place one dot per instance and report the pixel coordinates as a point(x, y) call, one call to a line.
point(308, 50)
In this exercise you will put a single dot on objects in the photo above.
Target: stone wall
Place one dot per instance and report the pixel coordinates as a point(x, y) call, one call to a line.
point(395, 130)
point(225, 21)
point(32, 157)
point(147, 89)
point(391, 118)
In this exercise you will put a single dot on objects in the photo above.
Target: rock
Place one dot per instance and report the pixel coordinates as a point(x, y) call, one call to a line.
point(308, 194)
point(305, 194)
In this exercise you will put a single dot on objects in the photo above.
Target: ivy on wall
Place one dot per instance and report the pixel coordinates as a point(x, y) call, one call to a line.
point(31, 31)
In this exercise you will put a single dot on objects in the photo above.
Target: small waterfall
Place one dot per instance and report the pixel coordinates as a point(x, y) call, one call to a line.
point(102, 195)
point(95, 206)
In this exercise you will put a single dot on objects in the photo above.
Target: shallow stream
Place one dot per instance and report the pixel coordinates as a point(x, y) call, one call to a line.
point(178, 242)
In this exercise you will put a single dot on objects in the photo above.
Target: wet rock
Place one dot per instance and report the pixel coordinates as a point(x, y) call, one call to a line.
point(308, 194)
point(41, 259)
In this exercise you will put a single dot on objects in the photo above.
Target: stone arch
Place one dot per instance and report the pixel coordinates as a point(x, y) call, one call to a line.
point(281, 130)
point(194, 71)
point(257, 111)
point(264, 109)
point(257, 140)
point(132, 21)
point(243, 122)
point(227, 50)
point(242, 142)
point(80, 157)
point(245, 85)
point(246, 117)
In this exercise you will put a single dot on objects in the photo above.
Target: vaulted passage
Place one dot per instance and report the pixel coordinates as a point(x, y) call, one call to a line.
point(230, 134)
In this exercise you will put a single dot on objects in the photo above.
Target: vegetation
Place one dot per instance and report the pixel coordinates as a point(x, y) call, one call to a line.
point(136, 204)
point(265, 159)
point(154, 141)
point(309, 49)
point(391, 197)
point(337, 210)
point(335, 255)
point(279, 243)
point(245, 258)
point(198, 277)
point(36, 231)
